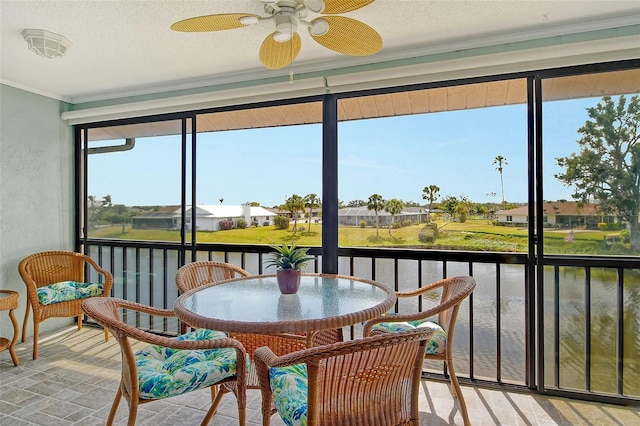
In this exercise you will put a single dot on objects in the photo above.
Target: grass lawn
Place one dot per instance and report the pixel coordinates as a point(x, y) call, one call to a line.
point(475, 235)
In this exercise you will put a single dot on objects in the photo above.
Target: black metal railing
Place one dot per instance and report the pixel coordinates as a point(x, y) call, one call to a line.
point(582, 296)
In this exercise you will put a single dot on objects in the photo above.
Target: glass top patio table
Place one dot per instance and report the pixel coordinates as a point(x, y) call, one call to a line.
point(255, 305)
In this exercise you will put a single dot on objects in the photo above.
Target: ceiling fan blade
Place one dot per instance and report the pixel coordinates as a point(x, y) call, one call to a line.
point(276, 55)
point(332, 7)
point(349, 36)
point(224, 21)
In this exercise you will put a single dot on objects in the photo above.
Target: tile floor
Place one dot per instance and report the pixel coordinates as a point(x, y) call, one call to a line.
point(75, 378)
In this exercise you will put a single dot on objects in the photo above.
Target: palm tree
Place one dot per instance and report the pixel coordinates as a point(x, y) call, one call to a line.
point(294, 204)
point(311, 201)
point(500, 160)
point(393, 207)
point(430, 193)
point(376, 203)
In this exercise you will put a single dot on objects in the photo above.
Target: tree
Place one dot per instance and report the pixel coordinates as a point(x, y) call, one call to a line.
point(118, 214)
point(106, 201)
point(311, 201)
point(294, 204)
point(500, 160)
point(376, 203)
point(430, 193)
point(449, 203)
point(393, 207)
point(356, 203)
point(607, 168)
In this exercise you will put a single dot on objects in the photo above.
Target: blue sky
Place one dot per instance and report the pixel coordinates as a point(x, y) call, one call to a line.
point(394, 157)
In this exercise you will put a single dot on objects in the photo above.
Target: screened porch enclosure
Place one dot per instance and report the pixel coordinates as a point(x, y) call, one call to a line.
point(547, 316)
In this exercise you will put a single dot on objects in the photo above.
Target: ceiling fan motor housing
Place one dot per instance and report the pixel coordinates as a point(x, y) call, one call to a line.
point(286, 22)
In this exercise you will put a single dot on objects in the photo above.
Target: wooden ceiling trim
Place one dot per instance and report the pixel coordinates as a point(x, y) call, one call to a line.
point(457, 98)
point(419, 101)
point(438, 99)
point(367, 106)
point(497, 93)
point(479, 95)
point(384, 106)
point(516, 92)
point(401, 103)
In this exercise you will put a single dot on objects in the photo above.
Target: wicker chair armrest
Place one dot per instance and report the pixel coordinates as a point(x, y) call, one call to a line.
point(32, 288)
point(265, 356)
point(139, 307)
point(262, 358)
point(421, 290)
point(107, 277)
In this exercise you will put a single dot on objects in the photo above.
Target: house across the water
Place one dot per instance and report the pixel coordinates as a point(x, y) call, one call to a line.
point(208, 217)
point(560, 214)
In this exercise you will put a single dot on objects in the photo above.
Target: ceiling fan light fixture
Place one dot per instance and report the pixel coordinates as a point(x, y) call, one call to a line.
point(282, 37)
point(316, 6)
point(45, 43)
point(249, 20)
point(319, 27)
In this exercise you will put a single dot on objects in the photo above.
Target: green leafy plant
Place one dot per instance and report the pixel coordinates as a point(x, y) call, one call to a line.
point(281, 222)
point(288, 257)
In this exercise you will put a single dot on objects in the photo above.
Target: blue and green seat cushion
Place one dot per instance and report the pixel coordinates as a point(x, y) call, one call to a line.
point(165, 372)
point(289, 388)
point(68, 290)
point(437, 345)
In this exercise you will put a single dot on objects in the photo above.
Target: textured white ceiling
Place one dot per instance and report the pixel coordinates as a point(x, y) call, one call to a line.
point(122, 47)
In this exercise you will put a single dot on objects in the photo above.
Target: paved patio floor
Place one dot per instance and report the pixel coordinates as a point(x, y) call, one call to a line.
point(75, 378)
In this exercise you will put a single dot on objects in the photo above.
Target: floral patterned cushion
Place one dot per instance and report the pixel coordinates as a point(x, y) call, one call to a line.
point(68, 290)
point(436, 345)
point(289, 387)
point(165, 372)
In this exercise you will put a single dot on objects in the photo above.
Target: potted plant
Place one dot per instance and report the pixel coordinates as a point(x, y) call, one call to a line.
point(289, 260)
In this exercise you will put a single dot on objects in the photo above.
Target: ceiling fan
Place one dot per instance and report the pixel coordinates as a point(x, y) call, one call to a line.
point(280, 48)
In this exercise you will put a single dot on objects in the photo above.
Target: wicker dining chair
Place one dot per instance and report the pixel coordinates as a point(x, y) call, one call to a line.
point(454, 291)
point(371, 381)
point(195, 274)
point(57, 285)
point(170, 366)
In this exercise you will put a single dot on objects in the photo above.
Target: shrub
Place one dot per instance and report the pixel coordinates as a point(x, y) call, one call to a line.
point(241, 223)
point(407, 222)
point(433, 227)
point(363, 224)
point(281, 222)
point(427, 235)
point(625, 236)
point(602, 226)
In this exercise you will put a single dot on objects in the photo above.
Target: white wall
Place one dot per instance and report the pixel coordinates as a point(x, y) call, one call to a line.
point(36, 190)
